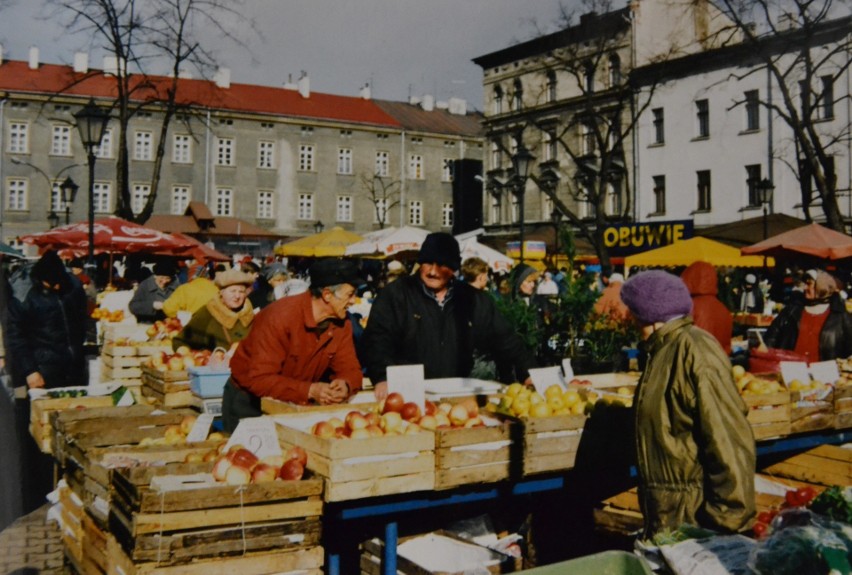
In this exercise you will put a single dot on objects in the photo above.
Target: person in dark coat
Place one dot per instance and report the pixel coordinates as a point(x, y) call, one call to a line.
point(708, 312)
point(147, 301)
point(751, 298)
point(434, 319)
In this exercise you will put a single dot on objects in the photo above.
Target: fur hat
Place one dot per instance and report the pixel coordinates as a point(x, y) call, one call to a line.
point(440, 248)
point(332, 272)
point(233, 276)
point(656, 295)
point(49, 268)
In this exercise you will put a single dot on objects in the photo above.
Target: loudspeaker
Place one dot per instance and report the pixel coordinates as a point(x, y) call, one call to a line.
point(467, 195)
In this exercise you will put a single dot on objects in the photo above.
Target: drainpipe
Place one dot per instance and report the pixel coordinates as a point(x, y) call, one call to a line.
point(770, 150)
point(2, 143)
point(402, 181)
point(207, 160)
point(848, 119)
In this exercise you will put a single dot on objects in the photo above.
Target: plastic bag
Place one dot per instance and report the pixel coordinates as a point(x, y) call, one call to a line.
point(769, 360)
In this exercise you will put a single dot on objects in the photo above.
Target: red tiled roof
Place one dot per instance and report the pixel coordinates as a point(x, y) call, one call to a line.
point(413, 117)
point(222, 226)
point(48, 79)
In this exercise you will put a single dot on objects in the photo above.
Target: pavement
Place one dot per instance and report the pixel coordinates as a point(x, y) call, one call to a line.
point(32, 545)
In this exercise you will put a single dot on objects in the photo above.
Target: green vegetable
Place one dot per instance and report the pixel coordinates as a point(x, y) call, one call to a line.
point(834, 503)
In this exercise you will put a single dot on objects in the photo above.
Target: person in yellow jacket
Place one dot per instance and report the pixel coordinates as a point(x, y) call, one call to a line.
point(191, 296)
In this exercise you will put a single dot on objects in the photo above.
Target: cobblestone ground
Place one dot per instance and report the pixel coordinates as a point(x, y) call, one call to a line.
point(31, 542)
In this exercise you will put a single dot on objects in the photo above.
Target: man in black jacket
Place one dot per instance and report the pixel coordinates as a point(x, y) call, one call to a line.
point(433, 319)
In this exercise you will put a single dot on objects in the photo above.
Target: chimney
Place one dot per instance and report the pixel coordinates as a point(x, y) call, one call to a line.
point(458, 106)
point(365, 92)
point(222, 78)
point(33, 57)
point(1, 54)
point(111, 64)
point(81, 62)
point(304, 85)
point(428, 102)
point(414, 100)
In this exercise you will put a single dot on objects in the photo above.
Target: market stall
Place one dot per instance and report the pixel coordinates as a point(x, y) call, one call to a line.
point(329, 243)
point(696, 249)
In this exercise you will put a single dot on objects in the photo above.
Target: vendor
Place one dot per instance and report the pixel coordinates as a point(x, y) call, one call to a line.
point(751, 298)
point(147, 301)
point(225, 320)
point(300, 349)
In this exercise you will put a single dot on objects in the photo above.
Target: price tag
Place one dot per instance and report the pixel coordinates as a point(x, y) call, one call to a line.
point(791, 370)
point(409, 381)
point(257, 434)
point(544, 377)
point(825, 371)
point(567, 369)
point(200, 429)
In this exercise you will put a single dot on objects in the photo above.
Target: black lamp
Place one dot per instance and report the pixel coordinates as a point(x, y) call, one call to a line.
point(765, 189)
point(52, 219)
point(319, 227)
point(92, 121)
point(521, 161)
point(69, 193)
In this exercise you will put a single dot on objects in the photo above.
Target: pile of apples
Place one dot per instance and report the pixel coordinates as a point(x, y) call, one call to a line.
point(176, 434)
point(749, 384)
point(104, 314)
point(184, 358)
point(521, 401)
point(164, 329)
point(239, 466)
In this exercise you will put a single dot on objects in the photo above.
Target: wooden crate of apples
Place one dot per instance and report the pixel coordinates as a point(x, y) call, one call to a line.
point(843, 395)
point(768, 401)
point(165, 377)
point(364, 453)
point(43, 408)
point(812, 405)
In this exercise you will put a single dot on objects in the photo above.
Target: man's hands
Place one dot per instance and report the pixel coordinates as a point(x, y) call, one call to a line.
point(381, 390)
point(35, 380)
point(328, 393)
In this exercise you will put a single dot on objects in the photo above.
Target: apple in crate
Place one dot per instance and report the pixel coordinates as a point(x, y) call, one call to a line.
point(323, 429)
point(243, 457)
point(237, 475)
point(264, 472)
point(292, 470)
point(186, 424)
point(176, 363)
point(297, 453)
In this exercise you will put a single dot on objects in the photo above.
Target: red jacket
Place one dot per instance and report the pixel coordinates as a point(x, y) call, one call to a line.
point(708, 312)
point(283, 355)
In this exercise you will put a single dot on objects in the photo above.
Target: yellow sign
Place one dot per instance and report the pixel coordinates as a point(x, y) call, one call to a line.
point(632, 238)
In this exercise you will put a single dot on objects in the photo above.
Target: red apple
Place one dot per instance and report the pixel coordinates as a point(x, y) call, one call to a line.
point(411, 412)
point(471, 406)
point(292, 470)
point(375, 430)
point(264, 472)
point(322, 429)
point(356, 420)
point(373, 418)
point(297, 453)
point(393, 402)
point(430, 408)
point(244, 458)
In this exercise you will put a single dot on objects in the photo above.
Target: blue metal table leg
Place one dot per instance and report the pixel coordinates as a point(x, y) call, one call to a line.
point(333, 564)
point(389, 559)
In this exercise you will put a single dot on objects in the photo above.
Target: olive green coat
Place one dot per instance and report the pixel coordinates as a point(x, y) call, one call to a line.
point(214, 325)
point(695, 450)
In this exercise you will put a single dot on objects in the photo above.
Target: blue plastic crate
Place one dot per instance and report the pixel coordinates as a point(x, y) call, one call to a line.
point(208, 381)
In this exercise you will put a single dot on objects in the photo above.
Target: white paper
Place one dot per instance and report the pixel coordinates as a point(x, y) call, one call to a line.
point(409, 381)
point(791, 370)
point(825, 371)
point(200, 428)
point(257, 434)
point(567, 369)
point(544, 377)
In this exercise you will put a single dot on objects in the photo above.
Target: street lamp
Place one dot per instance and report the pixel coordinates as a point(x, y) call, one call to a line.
point(319, 227)
point(556, 218)
point(91, 122)
point(52, 219)
point(764, 196)
point(521, 161)
point(51, 184)
point(69, 192)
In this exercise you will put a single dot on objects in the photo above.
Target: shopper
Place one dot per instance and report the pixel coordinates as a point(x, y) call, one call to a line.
point(274, 274)
point(708, 312)
point(610, 303)
point(147, 302)
point(193, 295)
point(694, 447)
point(475, 272)
point(751, 298)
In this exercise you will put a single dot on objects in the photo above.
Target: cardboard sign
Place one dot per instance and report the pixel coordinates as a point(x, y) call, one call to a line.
point(825, 371)
point(257, 434)
point(567, 369)
point(409, 381)
point(200, 429)
point(544, 377)
point(791, 370)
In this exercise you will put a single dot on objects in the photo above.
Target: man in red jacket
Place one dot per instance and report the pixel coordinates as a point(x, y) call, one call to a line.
point(300, 348)
point(708, 312)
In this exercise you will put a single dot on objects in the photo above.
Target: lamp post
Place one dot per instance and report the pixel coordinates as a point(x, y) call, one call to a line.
point(764, 195)
point(91, 122)
point(556, 218)
point(50, 186)
point(319, 227)
point(69, 191)
point(52, 219)
point(521, 161)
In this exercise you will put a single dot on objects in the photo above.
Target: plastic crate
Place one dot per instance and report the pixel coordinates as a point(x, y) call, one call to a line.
point(606, 563)
point(206, 381)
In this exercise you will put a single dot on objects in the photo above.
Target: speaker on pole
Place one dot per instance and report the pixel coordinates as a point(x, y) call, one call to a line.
point(467, 195)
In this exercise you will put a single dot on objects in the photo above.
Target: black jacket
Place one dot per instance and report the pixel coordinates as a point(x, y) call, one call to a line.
point(407, 326)
point(835, 339)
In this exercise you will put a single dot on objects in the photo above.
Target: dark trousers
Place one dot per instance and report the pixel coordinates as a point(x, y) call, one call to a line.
point(236, 405)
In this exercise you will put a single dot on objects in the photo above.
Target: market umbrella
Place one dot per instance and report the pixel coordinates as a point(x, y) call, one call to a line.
point(113, 235)
point(497, 261)
point(389, 242)
point(8, 251)
point(696, 249)
point(810, 240)
point(201, 251)
point(330, 243)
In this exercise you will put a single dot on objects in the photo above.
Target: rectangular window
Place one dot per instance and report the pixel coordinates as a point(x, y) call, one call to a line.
point(659, 136)
point(182, 149)
point(224, 151)
point(104, 150)
point(496, 208)
point(447, 215)
point(344, 209)
point(264, 205)
point(102, 197)
point(587, 137)
point(613, 198)
point(702, 117)
point(139, 195)
point(659, 195)
point(415, 213)
point(344, 161)
point(380, 216)
point(56, 198)
point(60, 144)
point(16, 194)
point(752, 180)
point(19, 138)
point(548, 148)
point(181, 196)
point(415, 167)
point(826, 99)
point(306, 158)
point(382, 164)
point(585, 208)
point(306, 207)
point(224, 202)
point(496, 155)
point(142, 146)
point(447, 170)
point(703, 177)
point(752, 110)
point(266, 154)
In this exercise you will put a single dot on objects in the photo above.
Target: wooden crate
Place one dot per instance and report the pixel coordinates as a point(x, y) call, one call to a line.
point(474, 455)
point(177, 526)
point(363, 400)
point(769, 414)
point(823, 465)
point(548, 443)
point(95, 554)
point(41, 410)
point(843, 406)
point(811, 416)
point(71, 523)
point(359, 468)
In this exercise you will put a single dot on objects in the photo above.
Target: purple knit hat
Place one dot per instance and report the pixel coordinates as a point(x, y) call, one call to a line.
point(656, 295)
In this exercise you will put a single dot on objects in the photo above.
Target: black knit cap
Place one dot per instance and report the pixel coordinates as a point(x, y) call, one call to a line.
point(440, 248)
point(164, 269)
point(331, 272)
point(50, 269)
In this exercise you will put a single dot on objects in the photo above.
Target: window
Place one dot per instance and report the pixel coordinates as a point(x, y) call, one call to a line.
point(142, 149)
point(138, 196)
point(264, 205)
point(344, 161)
point(497, 106)
point(587, 138)
point(703, 177)
point(19, 138)
point(825, 104)
point(702, 117)
point(266, 154)
point(447, 215)
point(614, 75)
point(447, 170)
point(382, 164)
point(659, 126)
point(346, 133)
point(613, 198)
point(415, 213)
point(752, 109)
point(589, 77)
point(307, 131)
point(16, 194)
point(752, 181)
point(182, 149)
point(344, 209)
point(181, 197)
point(60, 144)
point(518, 96)
point(306, 158)
point(56, 198)
point(548, 147)
point(496, 208)
point(659, 195)
point(224, 202)
point(104, 150)
point(380, 216)
point(516, 209)
point(496, 155)
point(415, 167)
point(102, 197)
point(551, 86)
point(224, 152)
point(306, 207)
point(585, 208)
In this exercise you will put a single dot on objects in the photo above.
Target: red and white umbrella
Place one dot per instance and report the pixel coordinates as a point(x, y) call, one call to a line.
point(388, 242)
point(497, 261)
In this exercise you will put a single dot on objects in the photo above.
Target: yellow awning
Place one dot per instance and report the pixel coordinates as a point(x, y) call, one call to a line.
point(330, 243)
point(696, 249)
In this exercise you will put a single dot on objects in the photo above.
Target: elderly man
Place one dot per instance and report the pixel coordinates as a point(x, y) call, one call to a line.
point(147, 302)
point(296, 343)
point(434, 319)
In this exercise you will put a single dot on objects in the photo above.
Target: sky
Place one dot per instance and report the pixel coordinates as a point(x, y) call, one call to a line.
point(402, 48)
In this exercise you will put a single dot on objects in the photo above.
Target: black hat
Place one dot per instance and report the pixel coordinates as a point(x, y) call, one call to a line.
point(49, 268)
point(330, 272)
point(440, 248)
point(164, 269)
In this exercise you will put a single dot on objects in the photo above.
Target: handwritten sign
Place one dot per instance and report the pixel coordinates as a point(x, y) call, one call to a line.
point(200, 429)
point(825, 371)
point(794, 370)
point(257, 434)
point(409, 381)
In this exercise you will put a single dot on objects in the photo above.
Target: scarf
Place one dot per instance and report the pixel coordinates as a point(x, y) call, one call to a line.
point(228, 317)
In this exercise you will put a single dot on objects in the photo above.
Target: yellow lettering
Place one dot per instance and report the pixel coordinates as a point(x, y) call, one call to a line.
point(678, 231)
point(624, 236)
point(610, 237)
point(639, 236)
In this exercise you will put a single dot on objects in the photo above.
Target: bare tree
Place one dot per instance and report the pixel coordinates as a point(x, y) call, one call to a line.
point(383, 194)
point(805, 47)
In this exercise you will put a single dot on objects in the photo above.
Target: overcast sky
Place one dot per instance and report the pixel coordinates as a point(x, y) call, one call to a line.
point(403, 47)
